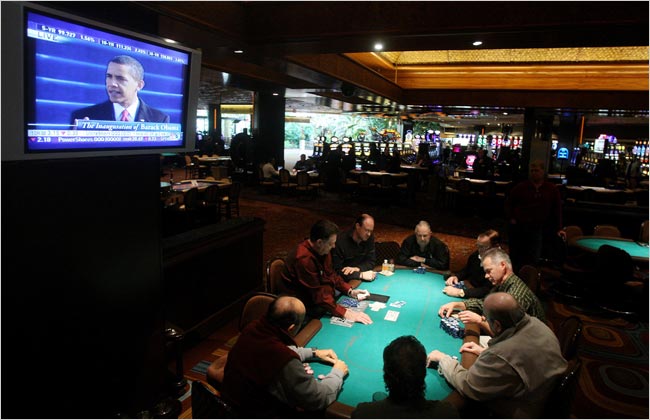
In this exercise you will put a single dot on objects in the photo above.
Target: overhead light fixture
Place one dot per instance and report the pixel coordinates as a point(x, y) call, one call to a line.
point(238, 51)
point(275, 93)
point(477, 43)
point(379, 46)
point(505, 113)
point(169, 41)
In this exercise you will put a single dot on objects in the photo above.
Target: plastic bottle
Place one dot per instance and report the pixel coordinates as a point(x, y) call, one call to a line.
point(384, 266)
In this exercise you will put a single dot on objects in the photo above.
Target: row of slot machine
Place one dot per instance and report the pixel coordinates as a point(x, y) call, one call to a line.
point(361, 146)
point(497, 141)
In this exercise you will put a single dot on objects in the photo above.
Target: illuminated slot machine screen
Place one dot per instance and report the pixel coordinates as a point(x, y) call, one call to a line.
point(366, 148)
point(469, 161)
point(400, 147)
point(358, 150)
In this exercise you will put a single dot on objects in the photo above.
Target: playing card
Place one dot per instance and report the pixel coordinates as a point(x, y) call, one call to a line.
point(391, 316)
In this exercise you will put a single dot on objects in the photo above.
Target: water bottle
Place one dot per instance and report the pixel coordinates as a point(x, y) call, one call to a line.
point(384, 266)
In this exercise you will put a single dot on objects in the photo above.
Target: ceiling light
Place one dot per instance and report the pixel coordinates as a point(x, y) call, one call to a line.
point(275, 93)
point(505, 113)
point(238, 51)
point(169, 41)
point(379, 46)
point(477, 43)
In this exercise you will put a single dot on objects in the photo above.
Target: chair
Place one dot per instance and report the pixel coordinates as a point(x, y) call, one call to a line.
point(285, 181)
point(642, 197)
point(386, 251)
point(208, 405)
point(274, 281)
point(568, 334)
point(607, 230)
point(612, 287)
point(530, 275)
point(266, 184)
point(231, 201)
point(643, 232)
point(255, 307)
point(558, 404)
point(190, 206)
point(212, 201)
point(202, 170)
point(303, 183)
point(191, 170)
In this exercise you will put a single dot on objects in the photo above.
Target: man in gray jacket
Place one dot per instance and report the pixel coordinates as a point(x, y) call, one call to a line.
point(517, 372)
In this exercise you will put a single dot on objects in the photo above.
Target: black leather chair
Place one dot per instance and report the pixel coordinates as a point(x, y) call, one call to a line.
point(558, 404)
point(568, 334)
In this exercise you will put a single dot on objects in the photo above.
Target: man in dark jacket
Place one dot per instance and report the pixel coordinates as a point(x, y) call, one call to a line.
point(423, 249)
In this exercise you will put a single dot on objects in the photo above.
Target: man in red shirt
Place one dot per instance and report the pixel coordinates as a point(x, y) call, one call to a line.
point(309, 273)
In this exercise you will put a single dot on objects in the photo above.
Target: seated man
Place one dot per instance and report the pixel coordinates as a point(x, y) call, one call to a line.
point(265, 377)
point(303, 164)
point(498, 269)
point(308, 272)
point(422, 249)
point(517, 372)
point(354, 254)
point(268, 170)
point(404, 372)
point(473, 273)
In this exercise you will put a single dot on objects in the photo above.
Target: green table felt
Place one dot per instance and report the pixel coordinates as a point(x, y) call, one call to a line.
point(362, 346)
point(633, 248)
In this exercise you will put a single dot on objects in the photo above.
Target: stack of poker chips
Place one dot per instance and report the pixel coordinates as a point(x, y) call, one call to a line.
point(452, 327)
point(420, 270)
point(460, 285)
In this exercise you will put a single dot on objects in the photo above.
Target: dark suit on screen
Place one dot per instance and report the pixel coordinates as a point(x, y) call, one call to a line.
point(104, 111)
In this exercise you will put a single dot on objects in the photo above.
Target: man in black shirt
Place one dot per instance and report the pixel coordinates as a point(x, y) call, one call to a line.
point(473, 272)
point(354, 254)
point(423, 249)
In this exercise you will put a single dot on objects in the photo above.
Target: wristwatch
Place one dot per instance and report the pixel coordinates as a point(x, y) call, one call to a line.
point(313, 351)
point(461, 293)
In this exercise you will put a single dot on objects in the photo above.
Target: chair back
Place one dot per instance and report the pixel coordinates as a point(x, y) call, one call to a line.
point(464, 186)
point(208, 405)
point(386, 181)
point(364, 179)
point(490, 189)
point(386, 251)
point(285, 176)
point(274, 281)
point(235, 191)
point(643, 232)
point(614, 267)
point(302, 178)
point(568, 334)
point(211, 195)
point(607, 230)
point(254, 308)
point(572, 232)
point(188, 160)
point(530, 275)
point(558, 404)
point(191, 199)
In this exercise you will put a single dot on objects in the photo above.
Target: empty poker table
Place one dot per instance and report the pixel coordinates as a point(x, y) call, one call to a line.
point(361, 346)
point(638, 251)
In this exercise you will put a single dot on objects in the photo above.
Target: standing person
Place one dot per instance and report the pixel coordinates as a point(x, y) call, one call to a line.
point(308, 272)
point(483, 165)
point(405, 369)
point(473, 273)
point(354, 255)
point(264, 376)
point(517, 372)
point(423, 249)
point(238, 146)
point(124, 79)
point(498, 269)
point(534, 211)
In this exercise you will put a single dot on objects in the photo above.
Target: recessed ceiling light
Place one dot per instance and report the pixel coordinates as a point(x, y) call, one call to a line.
point(477, 43)
point(238, 51)
point(379, 46)
point(275, 93)
point(505, 113)
point(169, 41)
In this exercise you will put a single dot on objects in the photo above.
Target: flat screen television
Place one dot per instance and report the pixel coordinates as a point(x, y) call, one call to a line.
point(66, 80)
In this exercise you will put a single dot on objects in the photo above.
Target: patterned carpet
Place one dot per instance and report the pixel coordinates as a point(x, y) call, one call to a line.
point(613, 382)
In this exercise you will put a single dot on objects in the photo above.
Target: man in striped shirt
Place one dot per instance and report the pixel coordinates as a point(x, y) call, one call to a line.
point(498, 269)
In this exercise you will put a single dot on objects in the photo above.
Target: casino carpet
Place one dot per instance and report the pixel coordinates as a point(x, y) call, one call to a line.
point(614, 379)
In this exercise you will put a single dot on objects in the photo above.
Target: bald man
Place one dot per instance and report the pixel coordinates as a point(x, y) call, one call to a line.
point(517, 372)
point(353, 257)
point(265, 376)
point(422, 249)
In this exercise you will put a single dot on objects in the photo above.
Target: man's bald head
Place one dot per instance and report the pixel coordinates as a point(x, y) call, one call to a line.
point(502, 307)
point(286, 311)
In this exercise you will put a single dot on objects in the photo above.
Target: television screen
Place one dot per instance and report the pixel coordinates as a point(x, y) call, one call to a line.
point(98, 89)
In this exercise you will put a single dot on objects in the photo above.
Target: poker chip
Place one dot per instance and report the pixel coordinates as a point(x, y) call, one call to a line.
point(452, 327)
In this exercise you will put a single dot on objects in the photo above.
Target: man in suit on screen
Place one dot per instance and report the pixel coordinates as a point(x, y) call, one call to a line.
point(124, 78)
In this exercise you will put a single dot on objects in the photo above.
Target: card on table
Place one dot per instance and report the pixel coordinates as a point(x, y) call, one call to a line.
point(341, 321)
point(391, 316)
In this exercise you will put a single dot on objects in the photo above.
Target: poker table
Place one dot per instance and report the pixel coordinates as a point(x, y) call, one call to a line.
point(361, 346)
point(638, 251)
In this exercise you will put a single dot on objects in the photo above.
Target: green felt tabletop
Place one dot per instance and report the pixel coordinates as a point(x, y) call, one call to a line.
point(362, 346)
point(635, 249)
